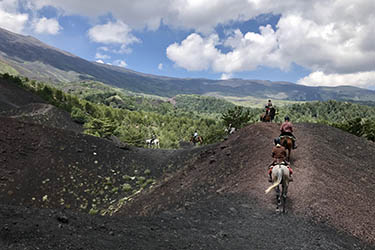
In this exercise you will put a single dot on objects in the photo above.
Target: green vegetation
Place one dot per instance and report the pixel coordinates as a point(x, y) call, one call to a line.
point(238, 117)
point(130, 125)
point(6, 68)
point(202, 104)
point(253, 102)
point(353, 118)
point(106, 111)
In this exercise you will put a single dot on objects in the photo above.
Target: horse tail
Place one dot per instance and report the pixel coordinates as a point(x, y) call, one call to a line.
point(277, 182)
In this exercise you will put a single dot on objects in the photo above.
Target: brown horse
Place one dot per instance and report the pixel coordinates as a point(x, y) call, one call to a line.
point(268, 116)
point(265, 118)
point(287, 143)
point(197, 139)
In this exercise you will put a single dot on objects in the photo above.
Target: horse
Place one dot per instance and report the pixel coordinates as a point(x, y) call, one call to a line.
point(197, 139)
point(287, 143)
point(265, 117)
point(153, 143)
point(268, 116)
point(280, 175)
point(230, 130)
point(272, 113)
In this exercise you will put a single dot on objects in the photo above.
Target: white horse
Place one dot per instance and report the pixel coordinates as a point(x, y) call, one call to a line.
point(280, 175)
point(153, 143)
point(230, 130)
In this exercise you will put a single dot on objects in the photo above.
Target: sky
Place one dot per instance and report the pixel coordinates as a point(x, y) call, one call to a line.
point(310, 42)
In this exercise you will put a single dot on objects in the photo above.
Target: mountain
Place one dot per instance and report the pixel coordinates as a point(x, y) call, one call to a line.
point(30, 57)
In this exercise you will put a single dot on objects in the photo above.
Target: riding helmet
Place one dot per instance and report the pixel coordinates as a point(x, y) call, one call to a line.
point(286, 118)
point(276, 140)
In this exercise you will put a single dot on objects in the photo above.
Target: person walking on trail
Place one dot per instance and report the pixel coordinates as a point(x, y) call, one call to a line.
point(279, 157)
point(286, 129)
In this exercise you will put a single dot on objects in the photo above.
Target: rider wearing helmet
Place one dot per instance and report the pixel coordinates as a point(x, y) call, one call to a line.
point(279, 157)
point(269, 104)
point(286, 129)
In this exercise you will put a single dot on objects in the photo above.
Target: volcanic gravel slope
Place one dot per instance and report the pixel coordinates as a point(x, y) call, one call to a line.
point(208, 197)
point(333, 181)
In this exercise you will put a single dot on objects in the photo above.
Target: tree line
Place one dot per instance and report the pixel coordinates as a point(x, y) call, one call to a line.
point(133, 119)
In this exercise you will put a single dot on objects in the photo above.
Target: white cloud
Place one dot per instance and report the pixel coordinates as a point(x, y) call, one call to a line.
point(9, 5)
point(110, 33)
point(319, 78)
point(248, 51)
point(113, 33)
point(99, 61)
point(137, 14)
point(226, 76)
point(48, 26)
point(103, 48)
point(160, 66)
point(329, 36)
point(332, 37)
point(120, 63)
point(13, 21)
point(195, 52)
point(101, 56)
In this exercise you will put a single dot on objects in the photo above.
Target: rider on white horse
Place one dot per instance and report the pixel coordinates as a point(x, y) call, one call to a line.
point(279, 157)
point(195, 135)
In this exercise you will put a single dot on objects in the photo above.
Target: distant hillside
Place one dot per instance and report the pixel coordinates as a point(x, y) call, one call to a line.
point(30, 57)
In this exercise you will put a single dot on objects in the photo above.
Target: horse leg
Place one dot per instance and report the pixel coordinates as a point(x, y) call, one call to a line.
point(284, 194)
point(278, 201)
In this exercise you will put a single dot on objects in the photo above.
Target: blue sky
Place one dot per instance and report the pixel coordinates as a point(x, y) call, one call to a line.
point(315, 43)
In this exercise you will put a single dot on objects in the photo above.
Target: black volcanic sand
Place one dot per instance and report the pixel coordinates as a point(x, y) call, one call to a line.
point(209, 197)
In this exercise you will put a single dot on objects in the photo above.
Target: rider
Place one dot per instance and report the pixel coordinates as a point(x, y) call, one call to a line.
point(195, 135)
point(287, 129)
point(268, 107)
point(153, 137)
point(279, 157)
point(269, 104)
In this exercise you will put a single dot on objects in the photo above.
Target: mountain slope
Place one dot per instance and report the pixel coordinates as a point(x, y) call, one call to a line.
point(332, 177)
point(211, 197)
point(34, 59)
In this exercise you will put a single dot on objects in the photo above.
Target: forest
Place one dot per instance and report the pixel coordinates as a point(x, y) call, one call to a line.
point(104, 111)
